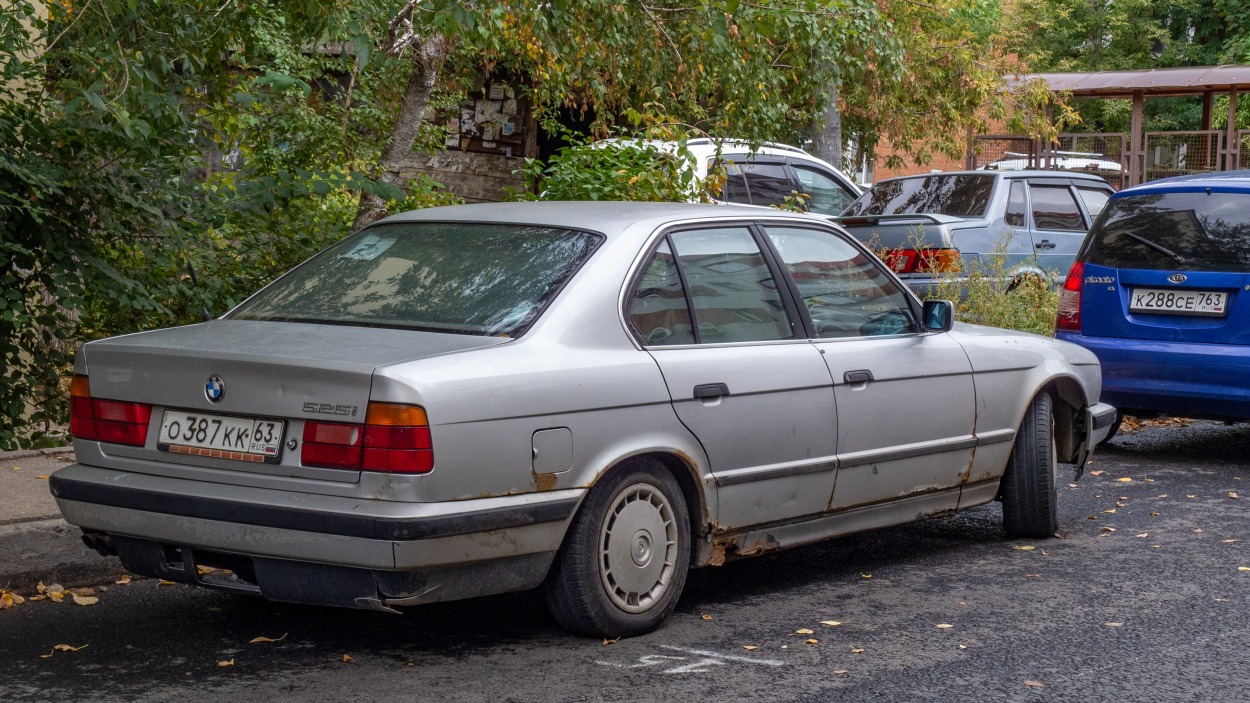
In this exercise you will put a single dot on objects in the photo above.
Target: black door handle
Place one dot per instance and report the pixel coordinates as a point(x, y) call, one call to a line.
point(860, 376)
point(711, 390)
point(1045, 244)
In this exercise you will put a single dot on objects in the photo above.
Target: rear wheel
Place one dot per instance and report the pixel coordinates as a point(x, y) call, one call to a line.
point(1030, 503)
point(624, 560)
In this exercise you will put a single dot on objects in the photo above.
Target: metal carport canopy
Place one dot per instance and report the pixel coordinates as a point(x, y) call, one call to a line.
point(1193, 80)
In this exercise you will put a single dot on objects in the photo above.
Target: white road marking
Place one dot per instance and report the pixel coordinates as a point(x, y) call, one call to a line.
point(702, 664)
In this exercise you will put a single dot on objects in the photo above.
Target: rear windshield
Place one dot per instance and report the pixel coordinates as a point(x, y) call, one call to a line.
point(481, 279)
point(1173, 231)
point(958, 196)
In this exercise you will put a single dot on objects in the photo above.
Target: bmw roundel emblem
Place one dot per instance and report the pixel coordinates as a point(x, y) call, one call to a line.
point(1178, 278)
point(215, 389)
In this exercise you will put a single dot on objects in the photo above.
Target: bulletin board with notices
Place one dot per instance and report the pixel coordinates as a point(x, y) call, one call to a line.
point(492, 121)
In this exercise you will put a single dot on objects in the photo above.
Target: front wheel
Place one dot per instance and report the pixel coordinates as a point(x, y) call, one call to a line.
point(624, 560)
point(1030, 503)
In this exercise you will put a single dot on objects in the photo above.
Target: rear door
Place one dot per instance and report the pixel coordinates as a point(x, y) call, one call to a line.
point(742, 376)
point(905, 399)
point(1059, 223)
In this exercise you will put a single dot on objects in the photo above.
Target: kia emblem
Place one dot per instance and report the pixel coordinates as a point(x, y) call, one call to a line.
point(1178, 278)
point(215, 389)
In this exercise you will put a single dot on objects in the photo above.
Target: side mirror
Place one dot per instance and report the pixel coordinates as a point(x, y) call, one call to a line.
point(939, 315)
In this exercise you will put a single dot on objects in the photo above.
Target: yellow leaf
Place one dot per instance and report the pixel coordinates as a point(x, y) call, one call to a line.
point(1035, 684)
point(1149, 480)
point(1199, 530)
point(1096, 473)
point(68, 648)
point(1163, 495)
point(1144, 534)
point(963, 646)
point(944, 626)
point(1227, 541)
point(1191, 496)
point(204, 569)
point(256, 640)
point(605, 642)
point(1232, 495)
point(349, 660)
point(163, 582)
point(1109, 511)
point(17, 468)
point(840, 671)
point(1071, 485)
point(1108, 529)
point(124, 580)
point(1126, 479)
point(83, 591)
point(228, 662)
point(1155, 546)
point(56, 596)
point(802, 631)
point(1155, 514)
point(857, 651)
point(832, 623)
point(6, 600)
point(41, 588)
point(1114, 624)
point(34, 598)
point(1024, 547)
point(749, 646)
point(43, 477)
point(705, 616)
point(867, 576)
point(1243, 568)
point(85, 600)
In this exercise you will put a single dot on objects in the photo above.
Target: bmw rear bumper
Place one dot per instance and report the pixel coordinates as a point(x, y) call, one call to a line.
point(317, 549)
point(1176, 378)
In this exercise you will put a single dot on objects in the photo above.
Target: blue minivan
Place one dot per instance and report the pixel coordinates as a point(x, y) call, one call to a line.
point(1160, 291)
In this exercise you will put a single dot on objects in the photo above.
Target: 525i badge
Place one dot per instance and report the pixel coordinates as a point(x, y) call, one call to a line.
point(330, 409)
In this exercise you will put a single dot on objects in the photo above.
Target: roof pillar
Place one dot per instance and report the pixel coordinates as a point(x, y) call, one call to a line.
point(1135, 140)
point(1208, 99)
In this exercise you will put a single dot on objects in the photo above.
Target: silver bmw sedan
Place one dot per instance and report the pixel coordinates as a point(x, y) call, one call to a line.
point(585, 397)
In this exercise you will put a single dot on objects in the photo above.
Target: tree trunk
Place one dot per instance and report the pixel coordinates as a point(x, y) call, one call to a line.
point(428, 57)
point(827, 130)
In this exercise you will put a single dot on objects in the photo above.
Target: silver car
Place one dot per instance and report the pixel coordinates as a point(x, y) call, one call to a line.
point(587, 397)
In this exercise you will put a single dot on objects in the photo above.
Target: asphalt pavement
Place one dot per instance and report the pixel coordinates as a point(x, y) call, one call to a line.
point(1145, 603)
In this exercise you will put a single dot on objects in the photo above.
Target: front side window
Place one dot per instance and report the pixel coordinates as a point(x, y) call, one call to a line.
point(734, 294)
point(1174, 231)
point(954, 195)
point(827, 196)
point(658, 309)
point(845, 293)
point(462, 278)
point(1055, 209)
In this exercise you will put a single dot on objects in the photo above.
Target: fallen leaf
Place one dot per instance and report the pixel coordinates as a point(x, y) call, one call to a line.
point(1189, 496)
point(1125, 479)
point(831, 623)
point(1091, 517)
point(840, 671)
point(1163, 495)
point(1059, 536)
point(83, 591)
point(256, 640)
point(1032, 576)
point(1024, 547)
point(750, 646)
point(349, 660)
point(163, 582)
point(1071, 485)
point(1227, 541)
point(1118, 504)
point(17, 468)
point(944, 626)
point(62, 648)
point(34, 598)
point(229, 662)
point(809, 641)
point(857, 651)
point(1109, 511)
point(1219, 600)
point(785, 646)
point(1035, 684)
point(7, 600)
point(85, 600)
point(56, 588)
point(1096, 473)
point(204, 569)
point(1144, 534)
point(867, 576)
point(605, 642)
point(1199, 530)
point(1154, 514)
point(1108, 529)
point(802, 631)
point(1243, 568)
point(1232, 495)
point(123, 581)
point(1154, 546)
point(43, 477)
point(1114, 624)
point(705, 616)
point(1149, 480)
point(56, 596)
point(41, 588)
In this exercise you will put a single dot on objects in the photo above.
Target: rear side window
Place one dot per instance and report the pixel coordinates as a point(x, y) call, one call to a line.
point(481, 279)
point(658, 309)
point(768, 182)
point(827, 196)
point(1095, 200)
point(1017, 209)
point(954, 195)
point(734, 294)
point(1173, 231)
point(1055, 209)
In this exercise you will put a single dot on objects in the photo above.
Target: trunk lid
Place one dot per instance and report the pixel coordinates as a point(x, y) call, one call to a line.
point(1108, 292)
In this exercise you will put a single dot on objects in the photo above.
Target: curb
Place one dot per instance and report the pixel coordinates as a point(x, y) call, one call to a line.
point(27, 453)
point(51, 551)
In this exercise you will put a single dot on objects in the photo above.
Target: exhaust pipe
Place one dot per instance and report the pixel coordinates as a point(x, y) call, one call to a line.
point(101, 542)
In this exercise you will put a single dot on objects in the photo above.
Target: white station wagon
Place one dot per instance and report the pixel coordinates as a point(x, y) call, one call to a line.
point(586, 397)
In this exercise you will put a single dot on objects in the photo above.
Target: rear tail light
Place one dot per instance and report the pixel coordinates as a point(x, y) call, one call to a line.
point(394, 438)
point(922, 260)
point(106, 420)
point(1069, 315)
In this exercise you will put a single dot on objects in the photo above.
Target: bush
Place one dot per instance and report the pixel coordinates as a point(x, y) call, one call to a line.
point(986, 292)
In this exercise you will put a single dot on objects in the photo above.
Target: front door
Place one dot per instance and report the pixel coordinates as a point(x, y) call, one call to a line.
point(742, 376)
point(905, 399)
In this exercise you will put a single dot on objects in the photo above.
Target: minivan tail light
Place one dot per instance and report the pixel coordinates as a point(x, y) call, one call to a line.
point(101, 420)
point(395, 438)
point(1068, 318)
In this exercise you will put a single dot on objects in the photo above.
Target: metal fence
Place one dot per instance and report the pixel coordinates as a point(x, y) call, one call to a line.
point(1242, 157)
point(1168, 154)
point(1004, 152)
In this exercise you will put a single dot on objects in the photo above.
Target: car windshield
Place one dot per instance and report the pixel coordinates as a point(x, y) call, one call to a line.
point(1174, 231)
point(482, 279)
point(958, 196)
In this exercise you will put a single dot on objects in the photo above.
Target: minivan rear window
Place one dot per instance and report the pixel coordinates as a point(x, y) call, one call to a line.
point(957, 196)
point(1174, 231)
point(462, 278)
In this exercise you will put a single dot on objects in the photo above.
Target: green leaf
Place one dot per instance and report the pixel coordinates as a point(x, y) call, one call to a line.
point(363, 45)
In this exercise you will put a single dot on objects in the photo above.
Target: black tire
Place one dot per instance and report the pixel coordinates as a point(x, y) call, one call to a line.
point(1030, 504)
point(577, 588)
point(1115, 427)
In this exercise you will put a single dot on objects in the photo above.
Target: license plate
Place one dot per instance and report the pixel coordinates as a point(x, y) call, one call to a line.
point(221, 436)
point(1202, 303)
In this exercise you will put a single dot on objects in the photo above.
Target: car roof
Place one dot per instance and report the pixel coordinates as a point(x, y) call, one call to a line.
point(1024, 173)
point(1237, 181)
point(605, 217)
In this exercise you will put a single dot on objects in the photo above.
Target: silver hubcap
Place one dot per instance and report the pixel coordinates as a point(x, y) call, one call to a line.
point(638, 547)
